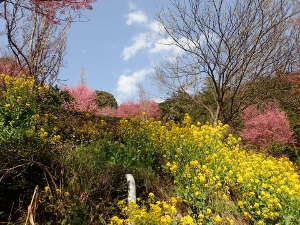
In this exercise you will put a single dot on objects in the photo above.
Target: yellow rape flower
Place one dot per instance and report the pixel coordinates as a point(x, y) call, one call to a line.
point(200, 216)
point(246, 214)
point(116, 221)
point(35, 116)
point(208, 211)
point(218, 218)
point(151, 195)
point(56, 138)
point(47, 188)
point(261, 222)
point(174, 167)
point(166, 220)
point(187, 220)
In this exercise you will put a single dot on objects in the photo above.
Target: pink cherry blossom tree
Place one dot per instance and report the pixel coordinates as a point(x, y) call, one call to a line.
point(128, 109)
point(263, 128)
point(144, 110)
point(84, 99)
point(55, 10)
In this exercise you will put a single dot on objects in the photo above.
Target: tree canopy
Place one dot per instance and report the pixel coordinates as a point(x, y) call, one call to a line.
point(105, 99)
point(227, 44)
point(55, 10)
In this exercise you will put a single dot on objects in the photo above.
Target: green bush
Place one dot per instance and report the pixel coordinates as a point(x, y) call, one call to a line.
point(105, 99)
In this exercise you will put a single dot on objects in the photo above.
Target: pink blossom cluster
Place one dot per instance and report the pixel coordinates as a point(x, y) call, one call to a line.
point(144, 109)
point(84, 99)
point(54, 9)
point(78, 4)
point(263, 128)
point(10, 67)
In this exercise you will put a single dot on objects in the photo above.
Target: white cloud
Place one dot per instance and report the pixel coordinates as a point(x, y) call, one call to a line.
point(154, 38)
point(157, 99)
point(136, 17)
point(156, 27)
point(140, 41)
point(127, 84)
point(151, 38)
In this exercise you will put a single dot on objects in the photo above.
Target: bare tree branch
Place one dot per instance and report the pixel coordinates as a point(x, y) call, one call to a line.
point(230, 43)
point(37, 45)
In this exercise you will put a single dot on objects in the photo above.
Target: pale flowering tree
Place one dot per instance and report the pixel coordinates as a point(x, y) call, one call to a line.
point(84, 99)
point(143, 110)
point(107, 111)
point(55, 10)
point(128, 109)
point(150, 109)
point(9, 66)
point(263, 128)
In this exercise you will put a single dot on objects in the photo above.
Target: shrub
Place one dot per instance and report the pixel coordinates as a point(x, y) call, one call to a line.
point(263, 128)
point(105, 99)
point(59, 206)
point(180, 103)
point(55, 98)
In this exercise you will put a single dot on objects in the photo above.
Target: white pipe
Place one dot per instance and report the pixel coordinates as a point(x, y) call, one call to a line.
point(131, 188)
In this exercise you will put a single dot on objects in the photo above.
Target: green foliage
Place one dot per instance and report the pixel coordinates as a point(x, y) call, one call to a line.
point(105, 99)
point(80, 127)
point(62, 207)
point(134, 149)
point(181, 103)
point(280, 150)
point(56, 97)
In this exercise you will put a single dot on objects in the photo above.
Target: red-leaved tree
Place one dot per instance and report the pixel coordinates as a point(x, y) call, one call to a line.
point(263, 128)
point(84, 99)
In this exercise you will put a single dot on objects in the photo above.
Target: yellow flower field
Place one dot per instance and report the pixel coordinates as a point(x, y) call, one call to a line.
point(220, 182)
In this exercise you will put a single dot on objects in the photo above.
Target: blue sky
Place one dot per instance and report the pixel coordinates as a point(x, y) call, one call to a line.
point(118, 48)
